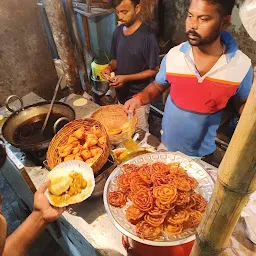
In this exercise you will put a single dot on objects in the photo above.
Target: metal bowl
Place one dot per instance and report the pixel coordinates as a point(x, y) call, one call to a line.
point(117, 215)
point(100, 86)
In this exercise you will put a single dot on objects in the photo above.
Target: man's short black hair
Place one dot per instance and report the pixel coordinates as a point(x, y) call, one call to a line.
point(118, 2)
point(225, 6)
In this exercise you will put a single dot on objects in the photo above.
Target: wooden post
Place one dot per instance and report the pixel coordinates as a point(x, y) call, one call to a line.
point(79, 51)
point(86, 33)
point(59, 27)
point(236, 181)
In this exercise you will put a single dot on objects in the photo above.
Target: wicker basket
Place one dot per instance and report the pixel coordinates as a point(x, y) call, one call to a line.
point(61, 138)
point(114, 117)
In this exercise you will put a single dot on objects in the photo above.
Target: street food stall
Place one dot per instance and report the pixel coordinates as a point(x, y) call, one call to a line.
point(90, 227)
point(140, 199)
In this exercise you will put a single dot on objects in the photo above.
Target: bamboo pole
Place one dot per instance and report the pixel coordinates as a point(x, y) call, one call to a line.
point(236, 181)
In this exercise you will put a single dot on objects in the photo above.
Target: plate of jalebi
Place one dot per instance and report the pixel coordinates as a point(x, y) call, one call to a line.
point(158, 198)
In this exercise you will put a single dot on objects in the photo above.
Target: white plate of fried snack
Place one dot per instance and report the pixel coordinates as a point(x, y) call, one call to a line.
point(71, 182)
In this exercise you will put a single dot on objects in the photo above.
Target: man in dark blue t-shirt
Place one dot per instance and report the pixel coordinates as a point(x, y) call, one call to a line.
point(134, 56)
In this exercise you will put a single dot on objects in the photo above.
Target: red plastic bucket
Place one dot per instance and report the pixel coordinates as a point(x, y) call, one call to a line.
point(138, 249)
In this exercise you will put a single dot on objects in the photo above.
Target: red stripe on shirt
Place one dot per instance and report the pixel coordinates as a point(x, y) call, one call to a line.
point(209, 96)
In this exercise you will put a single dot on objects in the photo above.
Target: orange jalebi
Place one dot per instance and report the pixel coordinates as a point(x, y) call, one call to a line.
point(190, 205)
point(170, 179)
point(160, 167)
point(154, 221)
point(129, 195)
point(178, 217)
point(129, 168)
point(134, 214)
point(158, 212)
point(164, 207)
point(192, 181)
point(147, 168)
point(166, 194)
point(182, 183)
point(143, 199)
point(146, 231)
point(172, 230)
point(159, 178)
point(117, 198)
point(200, 202)
point(183, 198)
point(145, 176)
point(123, 181)
point(176, 169)
point(137, 182)
point(194, 219)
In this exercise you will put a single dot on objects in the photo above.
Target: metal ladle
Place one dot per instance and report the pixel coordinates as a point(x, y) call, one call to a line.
point(52, 102)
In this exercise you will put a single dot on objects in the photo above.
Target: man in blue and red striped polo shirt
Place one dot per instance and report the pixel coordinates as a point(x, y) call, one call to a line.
point(203, 74)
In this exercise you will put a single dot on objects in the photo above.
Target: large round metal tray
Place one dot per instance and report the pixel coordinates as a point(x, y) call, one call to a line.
point(117, 215)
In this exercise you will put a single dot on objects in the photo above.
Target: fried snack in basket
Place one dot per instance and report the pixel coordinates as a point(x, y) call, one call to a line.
point(163, 199)
point(146, 231)
point(133, 214)
point(117, 198)
point(84, 146)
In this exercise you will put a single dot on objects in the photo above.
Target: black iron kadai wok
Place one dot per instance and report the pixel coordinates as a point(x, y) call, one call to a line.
point(23, 127)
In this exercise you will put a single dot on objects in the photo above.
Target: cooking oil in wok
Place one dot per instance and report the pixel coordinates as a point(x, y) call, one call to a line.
point(29, 132)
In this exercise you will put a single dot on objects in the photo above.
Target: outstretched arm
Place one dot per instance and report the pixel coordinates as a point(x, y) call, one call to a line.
point(18, 243)
point(149, 94)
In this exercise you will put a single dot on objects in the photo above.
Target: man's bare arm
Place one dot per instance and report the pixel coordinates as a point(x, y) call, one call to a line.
point(121, 80)
point(108, 69)
point(149, 94)
point(18, 243)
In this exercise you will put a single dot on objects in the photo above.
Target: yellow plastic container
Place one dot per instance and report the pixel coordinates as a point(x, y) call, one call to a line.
point(96, 71)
